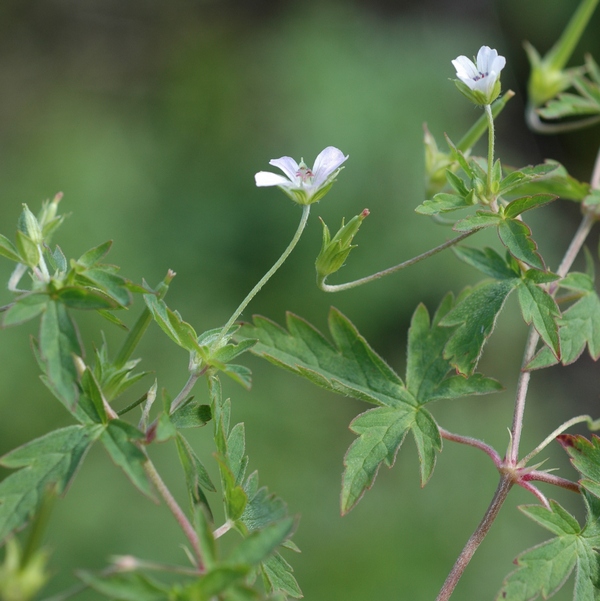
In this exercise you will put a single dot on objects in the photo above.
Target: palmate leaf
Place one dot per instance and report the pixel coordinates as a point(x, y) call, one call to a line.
point(544, 569)
point(579, 325)
point(49, 462)
point(585, 456)
point(351, 367)
point(476, 315)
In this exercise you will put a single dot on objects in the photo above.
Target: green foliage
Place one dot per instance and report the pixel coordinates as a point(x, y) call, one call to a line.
point(352, 368)
point(47, 464)
point(544, 569)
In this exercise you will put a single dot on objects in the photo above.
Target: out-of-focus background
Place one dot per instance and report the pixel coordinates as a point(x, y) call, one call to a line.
point(152, 118)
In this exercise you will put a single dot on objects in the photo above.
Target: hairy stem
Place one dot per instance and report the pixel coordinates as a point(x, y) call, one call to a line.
point(180, 516)
point(265, 278)
point(473, 442)
point(380, 274)
point(476, 539)
point(490, 157)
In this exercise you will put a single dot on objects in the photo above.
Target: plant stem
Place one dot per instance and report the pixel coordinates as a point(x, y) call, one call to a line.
point(473, 442)
point(476, 539)
point(490, 158)
point(180, 516)
point(185, 391)
point(575, 420)
point(265, 278)
point(141, 325)
point(380, 274)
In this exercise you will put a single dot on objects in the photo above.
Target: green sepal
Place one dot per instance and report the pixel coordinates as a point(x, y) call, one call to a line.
point(28, 249)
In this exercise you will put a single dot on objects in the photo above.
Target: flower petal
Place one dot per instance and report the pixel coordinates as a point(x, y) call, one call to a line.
point(466, 70)
point(326, 163)
point(288, 165)
point(266, 178)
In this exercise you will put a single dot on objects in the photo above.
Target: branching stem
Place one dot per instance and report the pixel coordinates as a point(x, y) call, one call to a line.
point(473, 442)
point(180, 516)
point(476, 539)
point(380, 274)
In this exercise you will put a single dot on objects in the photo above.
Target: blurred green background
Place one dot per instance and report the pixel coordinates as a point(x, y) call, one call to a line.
point(152, 118)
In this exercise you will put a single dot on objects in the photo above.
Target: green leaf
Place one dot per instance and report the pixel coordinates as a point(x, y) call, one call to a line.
point(57, 344)
point(196, 475)
point(179, 331)
point(49, 462)
point(76, 297)
point(263, 508)
point(516, 179)
point(544, 569)
point(381, 433)
point(259, 544)
point(526, 203)
point(585, 456)
point(516, 236)
point(215, 582)
point(8, 250)
point(479, 220)
point(105, 278)
point(539, 308)
point(476, 315)
point(131, 586)
point(191, 415)
point(118, 439)
point(350, 368)
point(26, 307)
point(443, 203)
point(277, 573)
point(557, 182)
point(95, 255)
point(487, 261)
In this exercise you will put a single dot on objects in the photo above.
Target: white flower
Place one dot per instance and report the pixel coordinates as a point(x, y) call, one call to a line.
point(483, 78)
point(301, 184)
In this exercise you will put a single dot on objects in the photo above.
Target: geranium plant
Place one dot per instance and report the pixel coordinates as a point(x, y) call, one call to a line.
point(445, 344)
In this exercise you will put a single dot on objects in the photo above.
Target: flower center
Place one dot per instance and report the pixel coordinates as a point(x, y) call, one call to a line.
point(304, 174)
point(480, 75)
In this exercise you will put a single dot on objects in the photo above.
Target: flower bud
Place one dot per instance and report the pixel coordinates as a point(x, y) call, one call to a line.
point(29, 225)
point(334, 251)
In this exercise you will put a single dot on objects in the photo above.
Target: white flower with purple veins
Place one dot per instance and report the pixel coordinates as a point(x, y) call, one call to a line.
point(301, 184)
point(480, 81)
